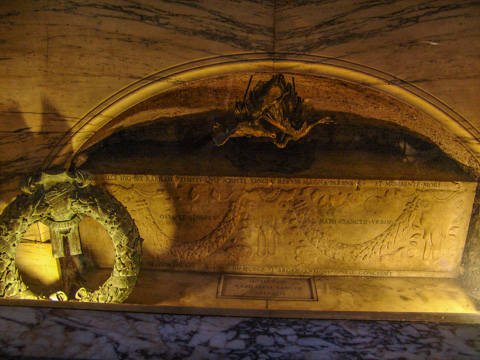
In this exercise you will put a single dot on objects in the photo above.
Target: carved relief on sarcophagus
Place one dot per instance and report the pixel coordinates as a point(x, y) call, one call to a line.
point(297, 226)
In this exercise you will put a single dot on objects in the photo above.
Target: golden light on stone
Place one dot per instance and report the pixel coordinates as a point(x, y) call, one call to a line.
point(297, 226)
point(60, 200)
point(35, 262)
point(265, 206)
point(34, 257)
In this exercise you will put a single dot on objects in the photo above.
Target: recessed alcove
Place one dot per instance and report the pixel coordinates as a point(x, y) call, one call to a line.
point(377, 174)
point(371, 135)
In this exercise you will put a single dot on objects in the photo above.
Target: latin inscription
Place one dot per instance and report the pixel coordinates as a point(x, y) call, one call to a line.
point(275, 181)
point(267, 287)
point(354, 221)
point(279, 270)
point(187, 217)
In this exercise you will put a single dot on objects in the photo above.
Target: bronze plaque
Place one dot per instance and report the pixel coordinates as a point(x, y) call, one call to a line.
point(282, 226)
point(296, 288)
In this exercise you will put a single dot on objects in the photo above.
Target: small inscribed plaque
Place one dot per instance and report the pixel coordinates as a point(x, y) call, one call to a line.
point(267, 287)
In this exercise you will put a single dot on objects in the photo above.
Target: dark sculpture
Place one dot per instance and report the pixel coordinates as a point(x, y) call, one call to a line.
point(272, 110)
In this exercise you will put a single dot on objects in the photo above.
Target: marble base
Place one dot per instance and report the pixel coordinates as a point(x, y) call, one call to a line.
point(35, 333)
point(331, 297)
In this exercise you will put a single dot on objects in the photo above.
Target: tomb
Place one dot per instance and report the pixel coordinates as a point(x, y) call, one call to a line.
point(256, 194)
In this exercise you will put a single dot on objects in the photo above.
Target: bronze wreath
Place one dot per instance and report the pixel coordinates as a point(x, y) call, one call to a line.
point(65, 198)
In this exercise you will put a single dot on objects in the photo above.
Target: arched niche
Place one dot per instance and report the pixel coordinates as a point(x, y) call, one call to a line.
point(381, 128)
point(427, 116)
point(369, 135)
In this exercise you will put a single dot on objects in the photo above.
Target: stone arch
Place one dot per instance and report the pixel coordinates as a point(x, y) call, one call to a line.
point(457, 137)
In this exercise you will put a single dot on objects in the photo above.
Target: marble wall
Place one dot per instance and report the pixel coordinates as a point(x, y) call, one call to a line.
point(431, 44)
point(59, 60)
point(79, 334)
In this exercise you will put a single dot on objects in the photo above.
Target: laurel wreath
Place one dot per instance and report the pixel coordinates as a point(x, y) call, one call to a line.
point(85, 200)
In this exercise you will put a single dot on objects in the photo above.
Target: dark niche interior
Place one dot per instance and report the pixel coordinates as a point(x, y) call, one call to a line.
point(349, 146)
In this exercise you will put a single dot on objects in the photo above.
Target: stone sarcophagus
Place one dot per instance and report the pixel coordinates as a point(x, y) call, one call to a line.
point(290, 246)
point(250, 245)
point(296, 226)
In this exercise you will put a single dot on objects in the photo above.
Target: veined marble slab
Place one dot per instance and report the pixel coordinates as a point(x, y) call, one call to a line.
point(59, 61)
point(80, 334)
point(292, 226)
point(427, 43)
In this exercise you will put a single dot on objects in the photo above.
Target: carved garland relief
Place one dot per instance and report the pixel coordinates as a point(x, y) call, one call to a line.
point(298, 226)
